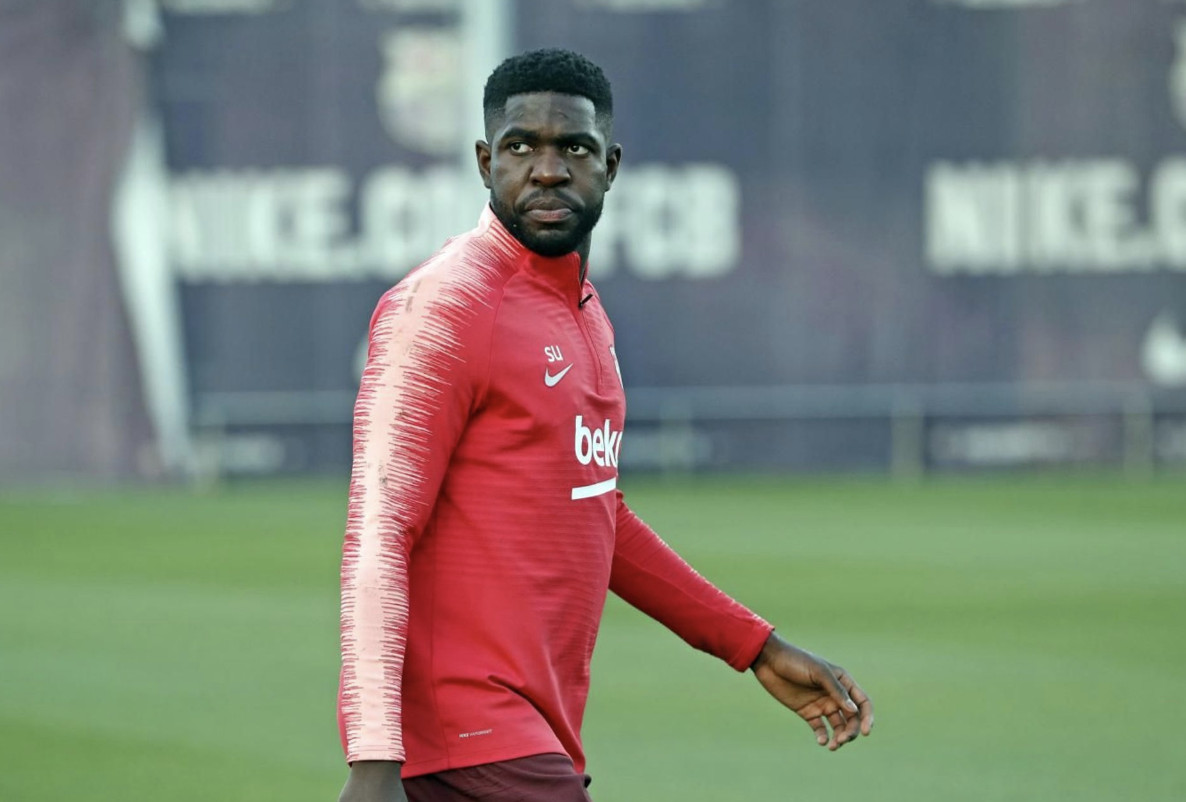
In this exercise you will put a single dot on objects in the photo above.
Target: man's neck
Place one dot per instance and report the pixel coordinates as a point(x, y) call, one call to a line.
point(583, 252)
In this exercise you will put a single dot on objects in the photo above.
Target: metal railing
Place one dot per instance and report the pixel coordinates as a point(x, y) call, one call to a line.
point(909, 409)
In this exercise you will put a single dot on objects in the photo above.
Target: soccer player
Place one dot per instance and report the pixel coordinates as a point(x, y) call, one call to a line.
point(485, 526)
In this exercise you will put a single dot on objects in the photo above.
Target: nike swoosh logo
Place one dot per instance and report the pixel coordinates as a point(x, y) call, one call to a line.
point(551, 380)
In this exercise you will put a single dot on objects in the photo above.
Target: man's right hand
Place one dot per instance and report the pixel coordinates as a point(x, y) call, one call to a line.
point(374, 781)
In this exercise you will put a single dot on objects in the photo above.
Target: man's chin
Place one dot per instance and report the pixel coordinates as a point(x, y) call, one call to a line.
point(548, 240)
point(550, 243)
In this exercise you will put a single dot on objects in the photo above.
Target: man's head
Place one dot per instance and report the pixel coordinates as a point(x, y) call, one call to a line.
point(547, 158)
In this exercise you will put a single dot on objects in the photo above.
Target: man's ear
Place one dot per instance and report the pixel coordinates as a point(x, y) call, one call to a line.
point(613, 157)
point(482, 151)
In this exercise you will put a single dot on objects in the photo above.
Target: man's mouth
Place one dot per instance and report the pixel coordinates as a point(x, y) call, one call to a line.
point(549, 215)
point(548, 210)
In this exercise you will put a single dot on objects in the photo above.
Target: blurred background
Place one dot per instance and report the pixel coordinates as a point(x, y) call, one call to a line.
point(899, 290)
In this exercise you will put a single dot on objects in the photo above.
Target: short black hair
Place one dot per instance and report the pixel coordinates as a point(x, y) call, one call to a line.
point(549, 70)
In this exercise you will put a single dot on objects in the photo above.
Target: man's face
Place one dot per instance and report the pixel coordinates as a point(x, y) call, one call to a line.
point(548, 166)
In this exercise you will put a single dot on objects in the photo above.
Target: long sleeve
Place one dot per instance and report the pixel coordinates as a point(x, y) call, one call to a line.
point(425, 368)
point(649, 575)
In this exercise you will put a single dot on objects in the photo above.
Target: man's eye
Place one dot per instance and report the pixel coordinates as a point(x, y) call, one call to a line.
point(519, 147)
point(578, 150)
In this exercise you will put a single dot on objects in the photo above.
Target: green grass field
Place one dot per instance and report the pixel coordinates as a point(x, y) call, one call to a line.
point(1024, 638)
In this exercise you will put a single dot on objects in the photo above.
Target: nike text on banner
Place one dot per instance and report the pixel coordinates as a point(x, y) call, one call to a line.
point(589, 491)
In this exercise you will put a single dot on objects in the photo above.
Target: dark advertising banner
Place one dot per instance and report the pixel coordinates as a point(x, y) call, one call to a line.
point(910, 233)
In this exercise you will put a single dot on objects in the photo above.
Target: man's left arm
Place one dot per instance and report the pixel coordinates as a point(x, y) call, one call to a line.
point(650, 576)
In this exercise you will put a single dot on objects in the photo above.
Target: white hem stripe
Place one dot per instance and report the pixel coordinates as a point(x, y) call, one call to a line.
point(589, 491)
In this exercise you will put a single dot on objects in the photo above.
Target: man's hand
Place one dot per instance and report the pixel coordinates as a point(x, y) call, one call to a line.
point(374, 781)
point(820, 693)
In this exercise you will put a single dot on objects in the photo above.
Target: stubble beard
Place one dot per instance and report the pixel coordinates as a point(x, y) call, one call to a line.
point(550, 245)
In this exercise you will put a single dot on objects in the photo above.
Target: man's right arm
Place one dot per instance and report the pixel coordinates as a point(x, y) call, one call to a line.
point(417, 391)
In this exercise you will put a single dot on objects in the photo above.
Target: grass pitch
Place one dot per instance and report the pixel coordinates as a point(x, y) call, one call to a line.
point(1023, 638)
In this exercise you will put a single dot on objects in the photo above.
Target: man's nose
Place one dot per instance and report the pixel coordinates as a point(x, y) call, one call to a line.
point(549, 168)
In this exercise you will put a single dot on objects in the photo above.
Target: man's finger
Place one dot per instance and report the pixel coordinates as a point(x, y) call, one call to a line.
point(851, 728)
point(820, 729)
point(864, 703)
point(837, 691)
point(837, 721)
point(846, 732)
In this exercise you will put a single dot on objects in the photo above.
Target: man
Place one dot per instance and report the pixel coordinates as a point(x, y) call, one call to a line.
point(484, 525)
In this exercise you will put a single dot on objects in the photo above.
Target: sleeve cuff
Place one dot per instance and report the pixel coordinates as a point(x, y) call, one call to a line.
point(752, 646)
point(389, 755)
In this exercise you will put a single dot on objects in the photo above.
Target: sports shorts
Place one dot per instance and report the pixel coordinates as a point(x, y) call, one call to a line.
point(539, 778)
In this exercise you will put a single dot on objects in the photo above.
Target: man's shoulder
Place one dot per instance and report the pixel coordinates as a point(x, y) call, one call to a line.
point(465, 279)
point(466, 264)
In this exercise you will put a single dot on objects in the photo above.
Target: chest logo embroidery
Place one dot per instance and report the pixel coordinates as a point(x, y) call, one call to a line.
point(552, 379)
point(554, 354)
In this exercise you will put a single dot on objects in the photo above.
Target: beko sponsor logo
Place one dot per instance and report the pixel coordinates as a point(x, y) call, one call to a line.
point(599, 446)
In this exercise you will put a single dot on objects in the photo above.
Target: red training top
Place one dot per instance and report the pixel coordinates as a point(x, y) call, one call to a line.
point(484, 523)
